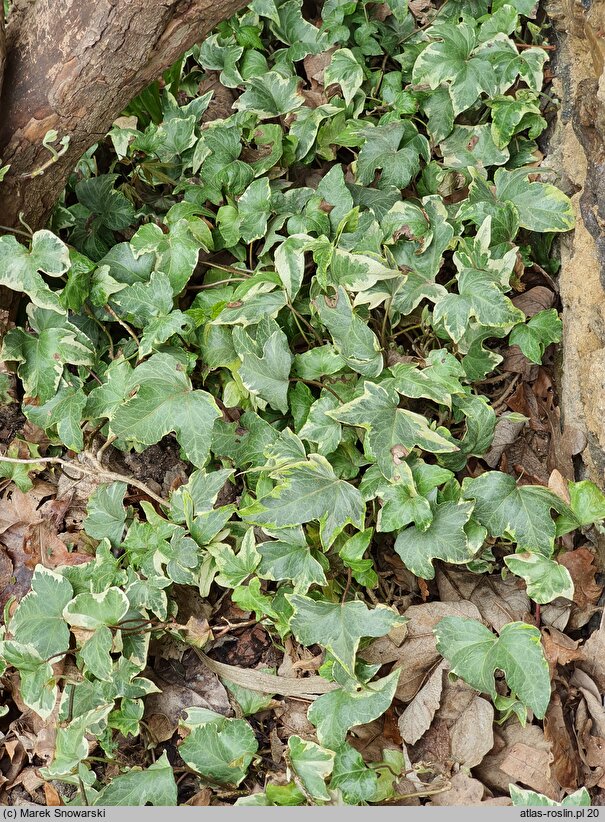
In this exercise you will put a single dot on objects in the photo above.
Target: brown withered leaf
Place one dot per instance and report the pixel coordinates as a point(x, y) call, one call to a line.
point(470, 720)
point(581, 566)
point(418, 654)
point(534, 300)
point(559, 649)
point(498, 600)
point(593, 651)
point(463, 790)
point(531, 766)
point(417, 717)
point(506, 433)
point(566, 764)
point(506, 737)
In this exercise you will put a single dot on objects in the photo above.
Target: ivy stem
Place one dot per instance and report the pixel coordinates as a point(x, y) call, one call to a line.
point(318, 384)
point(99, 471)
point(15, 231)
point(217, 282)
point(124, 325)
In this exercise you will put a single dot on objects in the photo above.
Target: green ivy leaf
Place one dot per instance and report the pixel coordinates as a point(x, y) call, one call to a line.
point(219, 749)
point(336, 712)
point(352, 776)
point(545, 579)
point(475, 653)
point(586, 504)
point(353, 339)
point(290, 558)
point(339, 627)
point(266, 362)
point(445, 539)
point(520, 513)
point(544, 328)
point(312, 764)
point(164, 401)
point(395, 149)
point(308, 491)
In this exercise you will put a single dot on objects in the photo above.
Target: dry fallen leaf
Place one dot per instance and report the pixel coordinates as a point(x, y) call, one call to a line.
point(559, 649)
point(417, 717)
point(531, 739)
point(498, 600)
point(566, 764)
point(418, 653)
point(593, 652)
point(530, 766)
point(581, 566)
point(464, 790)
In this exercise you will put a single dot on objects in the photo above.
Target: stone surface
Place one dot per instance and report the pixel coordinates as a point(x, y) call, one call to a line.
point(577, 153)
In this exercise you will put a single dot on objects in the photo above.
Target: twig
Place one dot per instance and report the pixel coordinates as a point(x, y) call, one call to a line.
point(217, 282)
point(307, 688)
point(98, 471)
point(15, 231)
point(124, 325)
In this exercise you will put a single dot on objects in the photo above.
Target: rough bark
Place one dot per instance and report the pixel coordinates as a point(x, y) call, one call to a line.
point(73, 66)
point(577, 150)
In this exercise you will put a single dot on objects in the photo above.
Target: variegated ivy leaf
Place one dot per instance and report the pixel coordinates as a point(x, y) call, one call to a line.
point(352, 553)
point(391, 431)
point(519, 513)
point(266, 362)
point(106, 515)
point(545, 579)
point(43, 355)
point(353, 339)
point(514, 114)
point(472, 146)
point(475, 654)
point(20, 267)
point(336, 712)
point(91, 611)
point(346, 71)
point(235, 568)
point(480, 297)
point(154, 785)
point(521, 796)
point(538, 206)
point(541, 330)
point(586, 506)
point(445, 538)
point(64, 411)
point(219, 749)
point(270, 96)
point(450, 60)
point(395, 149)
point(437, 381)
point(312, 764)
point(37, 685)
point(247, 219)
point(309, 491)
point(339, 627)
point(164, 401)
point(38, 620)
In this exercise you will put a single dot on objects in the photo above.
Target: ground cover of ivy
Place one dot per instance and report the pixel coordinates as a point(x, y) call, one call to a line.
point(294, 255)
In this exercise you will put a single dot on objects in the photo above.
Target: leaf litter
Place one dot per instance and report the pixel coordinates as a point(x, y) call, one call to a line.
point(294, 497)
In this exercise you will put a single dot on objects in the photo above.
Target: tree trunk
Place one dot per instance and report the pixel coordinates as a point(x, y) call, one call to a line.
point(73, 66)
